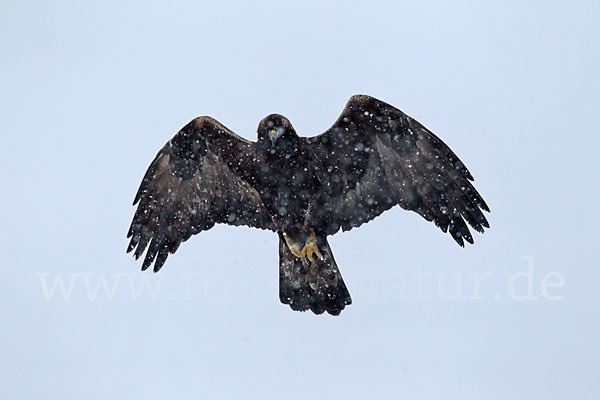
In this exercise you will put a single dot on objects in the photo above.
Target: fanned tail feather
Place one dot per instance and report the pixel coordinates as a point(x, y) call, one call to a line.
point(316, 285)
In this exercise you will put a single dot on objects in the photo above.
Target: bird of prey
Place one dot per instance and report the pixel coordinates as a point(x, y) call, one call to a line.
point(373, 158)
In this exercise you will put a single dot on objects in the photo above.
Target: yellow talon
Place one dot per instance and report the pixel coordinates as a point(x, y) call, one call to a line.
point(311, 249)
point(293, 246)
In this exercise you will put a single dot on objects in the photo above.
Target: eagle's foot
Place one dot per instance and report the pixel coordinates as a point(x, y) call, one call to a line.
point(311, 249)
point(293, 246)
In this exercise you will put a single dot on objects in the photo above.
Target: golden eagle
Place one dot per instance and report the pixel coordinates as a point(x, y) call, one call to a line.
point(373, 158)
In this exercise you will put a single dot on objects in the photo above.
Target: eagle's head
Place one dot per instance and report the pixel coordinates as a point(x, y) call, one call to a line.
point(274, 128)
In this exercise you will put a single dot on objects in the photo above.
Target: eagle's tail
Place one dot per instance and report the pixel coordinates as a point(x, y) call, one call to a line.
point(316, 285)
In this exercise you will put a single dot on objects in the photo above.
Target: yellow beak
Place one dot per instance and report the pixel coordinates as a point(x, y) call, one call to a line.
point(273, 136)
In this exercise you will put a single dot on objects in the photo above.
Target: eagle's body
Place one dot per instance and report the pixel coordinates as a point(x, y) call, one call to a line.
point(372, 158)
point(286, 181)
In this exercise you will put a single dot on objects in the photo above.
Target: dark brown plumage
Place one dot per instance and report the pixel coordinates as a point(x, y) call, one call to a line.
point(372, 158)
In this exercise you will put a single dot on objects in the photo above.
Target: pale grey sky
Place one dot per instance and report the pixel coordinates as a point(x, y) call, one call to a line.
point(90, 92)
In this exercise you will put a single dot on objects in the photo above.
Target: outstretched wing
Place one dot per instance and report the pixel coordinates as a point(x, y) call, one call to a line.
point(197, 179)
point(375, 156)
